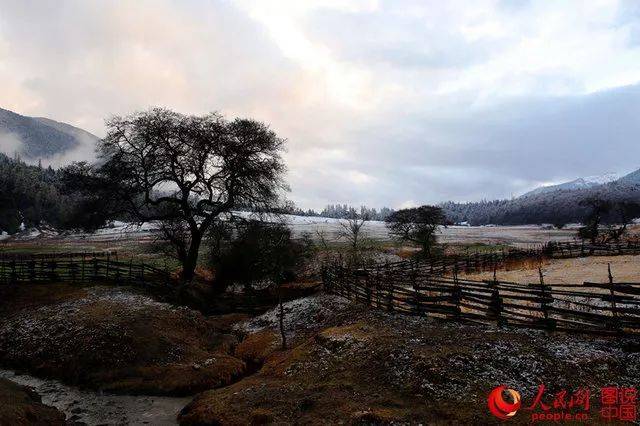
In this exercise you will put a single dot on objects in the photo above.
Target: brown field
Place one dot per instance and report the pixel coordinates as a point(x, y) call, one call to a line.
point(570, 271)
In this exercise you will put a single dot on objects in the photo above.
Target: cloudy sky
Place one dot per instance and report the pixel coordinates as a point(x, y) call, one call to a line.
point(382, 102)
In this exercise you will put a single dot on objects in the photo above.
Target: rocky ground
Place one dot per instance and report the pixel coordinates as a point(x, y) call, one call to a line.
point(343, 363)
point(114, 339)
point(350, 365)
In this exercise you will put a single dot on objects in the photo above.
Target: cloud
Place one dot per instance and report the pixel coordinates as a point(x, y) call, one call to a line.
point(10, 143)
point(381, 101)
point(85, 151)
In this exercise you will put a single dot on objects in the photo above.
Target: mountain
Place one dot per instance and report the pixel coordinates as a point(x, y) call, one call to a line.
point(580, 183)
point(552, 204)
point(632, 178)
point(36, 138)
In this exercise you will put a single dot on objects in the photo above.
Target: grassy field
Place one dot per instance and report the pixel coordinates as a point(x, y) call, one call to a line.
point(570, 271)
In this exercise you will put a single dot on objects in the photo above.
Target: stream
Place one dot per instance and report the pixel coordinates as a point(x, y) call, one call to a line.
point(95, 408)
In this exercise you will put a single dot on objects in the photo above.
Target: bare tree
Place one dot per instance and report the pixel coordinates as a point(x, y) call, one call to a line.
point(598, 208)
point(352, 229)
point(321, 235)
point(186, 171)
point(624, 212)
point(417, 225)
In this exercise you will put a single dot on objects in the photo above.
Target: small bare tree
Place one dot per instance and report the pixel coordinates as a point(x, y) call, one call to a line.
point(352, 230)
point(597, 209)
point(321, 235)
point(624, 212)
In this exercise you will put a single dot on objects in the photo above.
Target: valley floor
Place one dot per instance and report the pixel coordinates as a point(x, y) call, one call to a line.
point(343, 363)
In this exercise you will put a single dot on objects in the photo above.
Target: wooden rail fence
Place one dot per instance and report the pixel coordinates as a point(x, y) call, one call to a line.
point(423, 288)
point(78, 268)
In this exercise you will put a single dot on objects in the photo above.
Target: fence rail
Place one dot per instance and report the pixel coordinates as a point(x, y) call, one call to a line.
point(423, 288)
point(480, 262)
point(579, 249)
point(5, 256)
point(78, 268)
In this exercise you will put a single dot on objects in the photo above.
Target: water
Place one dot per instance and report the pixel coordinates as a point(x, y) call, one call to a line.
point(94, 408)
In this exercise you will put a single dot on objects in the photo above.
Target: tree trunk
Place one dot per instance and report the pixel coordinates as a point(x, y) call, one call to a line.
point(191, 261)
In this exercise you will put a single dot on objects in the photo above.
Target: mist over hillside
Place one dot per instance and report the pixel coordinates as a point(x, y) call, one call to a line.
point(38, 138)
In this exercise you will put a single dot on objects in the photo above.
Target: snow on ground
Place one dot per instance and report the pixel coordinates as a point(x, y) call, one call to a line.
point(300, 314)
point(329, 229)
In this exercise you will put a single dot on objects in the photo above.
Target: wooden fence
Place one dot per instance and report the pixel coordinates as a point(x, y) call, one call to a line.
point(7, 256)
point(489, 261)
point(423, 288)
point(587, 307)
point(580, 248)
point(78, 268)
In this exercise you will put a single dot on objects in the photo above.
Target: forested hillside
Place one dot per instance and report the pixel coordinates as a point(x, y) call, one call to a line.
point(34, 196)
point(560, 206)
point(38, 138)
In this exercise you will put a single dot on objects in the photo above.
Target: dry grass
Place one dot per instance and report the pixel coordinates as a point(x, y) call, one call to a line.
point(255, 348)
point(568, 271)
point(364, 366)
point(115, 339)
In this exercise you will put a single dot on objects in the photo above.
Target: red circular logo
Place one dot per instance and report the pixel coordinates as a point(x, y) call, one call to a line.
point(499, 407)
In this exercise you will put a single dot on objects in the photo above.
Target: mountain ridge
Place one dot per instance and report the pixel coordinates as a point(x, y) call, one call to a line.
point(587, 182)
point(35, 138)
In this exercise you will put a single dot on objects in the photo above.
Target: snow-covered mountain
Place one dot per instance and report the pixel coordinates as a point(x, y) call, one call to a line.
point(580, 183)
point(632, 178)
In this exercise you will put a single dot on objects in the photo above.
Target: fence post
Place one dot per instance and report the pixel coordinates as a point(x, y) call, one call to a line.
point(14, 276)
point(389, 285)
point(32, 270)
point(367, 282)
point(457, 293)
point(72, 270)
point(413, 274)
point(549, 323)
point(82, 270)
point(496, 302)
point(615, 323)
point(376, 280)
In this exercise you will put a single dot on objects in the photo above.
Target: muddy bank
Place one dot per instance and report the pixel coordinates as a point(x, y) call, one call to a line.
point(114, 339)
point(92, 408)
point(21, 406)
point(351, 365)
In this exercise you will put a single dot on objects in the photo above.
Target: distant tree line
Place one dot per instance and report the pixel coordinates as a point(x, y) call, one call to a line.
point(339, 211)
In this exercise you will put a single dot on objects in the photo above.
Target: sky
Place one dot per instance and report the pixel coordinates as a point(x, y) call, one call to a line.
point(384, 103)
